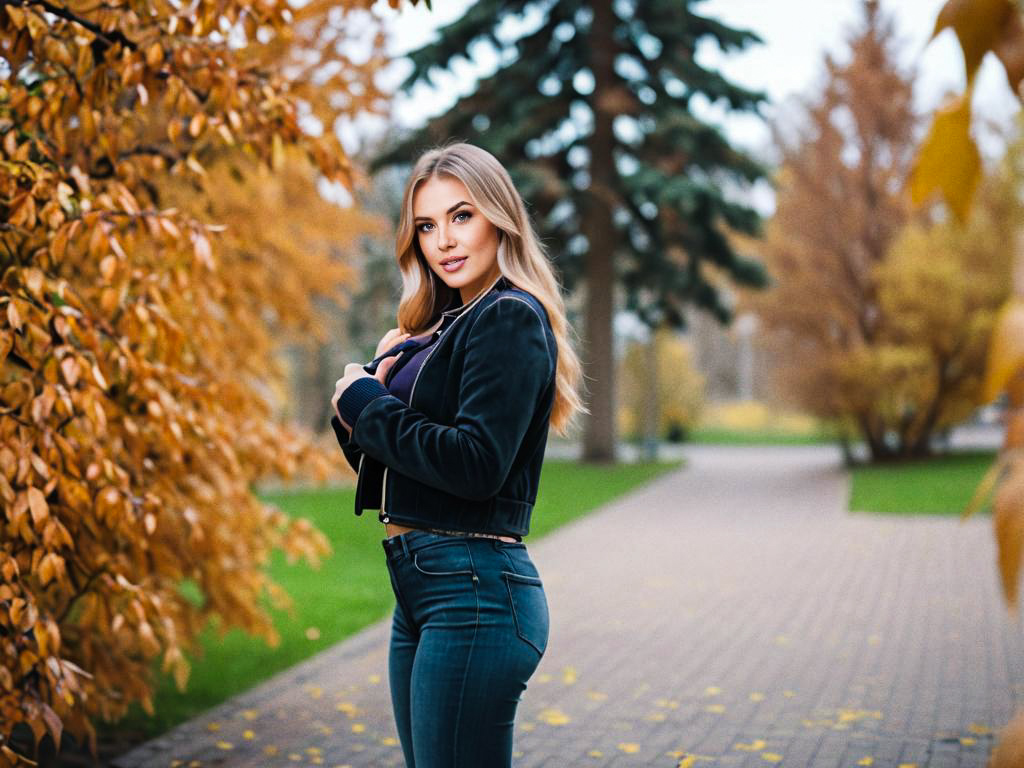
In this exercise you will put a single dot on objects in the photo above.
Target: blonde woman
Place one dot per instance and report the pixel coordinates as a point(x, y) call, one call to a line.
point(446, 428)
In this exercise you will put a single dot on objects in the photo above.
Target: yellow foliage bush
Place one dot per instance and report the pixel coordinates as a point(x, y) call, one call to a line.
point(136, 335)
point(755, 416)
point(680, 387)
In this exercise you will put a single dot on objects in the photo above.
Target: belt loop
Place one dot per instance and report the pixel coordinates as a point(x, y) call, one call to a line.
point(405, 544)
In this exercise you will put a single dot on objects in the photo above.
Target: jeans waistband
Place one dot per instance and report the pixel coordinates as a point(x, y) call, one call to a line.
point(410, 541)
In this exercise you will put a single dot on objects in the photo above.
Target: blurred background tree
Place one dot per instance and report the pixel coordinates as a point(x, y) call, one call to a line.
point(628, 187)
point(142, 290)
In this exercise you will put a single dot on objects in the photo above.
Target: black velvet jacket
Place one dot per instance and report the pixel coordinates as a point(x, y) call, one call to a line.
point(465, 453)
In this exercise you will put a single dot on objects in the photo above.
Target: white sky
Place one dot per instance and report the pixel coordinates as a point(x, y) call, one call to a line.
point(796, 35)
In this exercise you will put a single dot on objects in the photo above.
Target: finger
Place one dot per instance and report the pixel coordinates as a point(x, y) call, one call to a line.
point(383, 367)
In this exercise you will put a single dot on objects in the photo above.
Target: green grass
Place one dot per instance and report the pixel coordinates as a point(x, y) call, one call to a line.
point(721, 436)
point(350, 590)
point(939, 486)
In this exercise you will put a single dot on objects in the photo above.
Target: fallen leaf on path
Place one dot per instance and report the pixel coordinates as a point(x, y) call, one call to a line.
point(553, 716)
point(755, 746)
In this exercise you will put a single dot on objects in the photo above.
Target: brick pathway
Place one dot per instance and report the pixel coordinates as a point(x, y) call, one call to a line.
point(729, 614)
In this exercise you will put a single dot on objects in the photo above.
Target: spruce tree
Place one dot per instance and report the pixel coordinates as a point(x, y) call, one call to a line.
point(591, 113)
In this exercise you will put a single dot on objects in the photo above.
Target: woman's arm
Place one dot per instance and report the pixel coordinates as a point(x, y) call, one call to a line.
point(379, 366)
point(508, 366)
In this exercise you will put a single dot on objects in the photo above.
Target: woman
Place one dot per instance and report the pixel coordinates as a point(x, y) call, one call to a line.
point(446, 428)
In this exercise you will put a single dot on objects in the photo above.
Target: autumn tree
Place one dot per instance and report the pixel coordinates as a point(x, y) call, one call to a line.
point(840, 205)
point(592, 113)
point(134, 330)
point(939, 289)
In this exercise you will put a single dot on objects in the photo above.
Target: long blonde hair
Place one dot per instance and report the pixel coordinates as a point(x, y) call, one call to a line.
point(522, 260)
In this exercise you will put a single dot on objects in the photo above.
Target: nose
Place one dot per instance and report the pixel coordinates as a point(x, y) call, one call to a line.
point(445, 238)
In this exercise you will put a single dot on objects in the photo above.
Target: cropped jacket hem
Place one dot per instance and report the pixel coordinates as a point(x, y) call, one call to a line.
point(465, 453)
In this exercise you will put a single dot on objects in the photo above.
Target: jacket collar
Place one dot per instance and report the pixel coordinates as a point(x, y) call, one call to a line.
point(457, 309)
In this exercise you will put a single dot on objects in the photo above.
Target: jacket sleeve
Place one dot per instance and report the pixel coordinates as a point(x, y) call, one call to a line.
point(507, 367)
point(348, 445)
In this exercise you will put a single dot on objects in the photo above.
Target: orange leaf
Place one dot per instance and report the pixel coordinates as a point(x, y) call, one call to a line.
point(1008, 520)
point(1006, 349)
point(977, 24)
point(53, 724)
point(37, 504)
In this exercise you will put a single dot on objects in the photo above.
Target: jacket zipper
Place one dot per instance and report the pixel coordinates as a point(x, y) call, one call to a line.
point(384, 483)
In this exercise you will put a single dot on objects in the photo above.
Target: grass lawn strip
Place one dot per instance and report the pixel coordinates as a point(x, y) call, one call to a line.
point(939, 486)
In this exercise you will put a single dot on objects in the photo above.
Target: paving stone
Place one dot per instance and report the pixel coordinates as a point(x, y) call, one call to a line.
point(729, 602)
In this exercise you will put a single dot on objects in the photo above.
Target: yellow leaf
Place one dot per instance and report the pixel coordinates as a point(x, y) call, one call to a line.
point(866, 761)
point(1005, 349)
point(755, 746)
point(948, 160)
point(553, 716)
point(771, 757)
point(629, 747)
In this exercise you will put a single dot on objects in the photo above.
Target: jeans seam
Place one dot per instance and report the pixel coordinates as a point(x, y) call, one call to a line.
point(469, 659)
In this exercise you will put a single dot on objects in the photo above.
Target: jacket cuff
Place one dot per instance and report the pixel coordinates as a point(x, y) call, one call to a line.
point(357, 396)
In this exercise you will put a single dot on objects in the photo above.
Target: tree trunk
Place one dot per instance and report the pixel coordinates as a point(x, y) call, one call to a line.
point(599, 436)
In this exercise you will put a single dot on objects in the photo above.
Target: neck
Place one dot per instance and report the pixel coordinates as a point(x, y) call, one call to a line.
point(488, 284)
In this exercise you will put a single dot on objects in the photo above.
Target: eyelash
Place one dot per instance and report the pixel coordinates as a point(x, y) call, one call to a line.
point(467, 214)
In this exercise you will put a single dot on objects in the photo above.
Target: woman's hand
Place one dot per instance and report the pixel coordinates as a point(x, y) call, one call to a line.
point(391, 338)
point(355, 371)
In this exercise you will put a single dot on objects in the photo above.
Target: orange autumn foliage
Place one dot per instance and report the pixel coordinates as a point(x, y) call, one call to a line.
point(138, 303)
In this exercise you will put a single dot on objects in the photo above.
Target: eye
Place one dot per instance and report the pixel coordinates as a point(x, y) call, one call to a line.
point(467, 214)
point(420, 227)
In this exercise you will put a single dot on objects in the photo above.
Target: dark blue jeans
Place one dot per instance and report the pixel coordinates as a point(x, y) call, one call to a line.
point(469, 628)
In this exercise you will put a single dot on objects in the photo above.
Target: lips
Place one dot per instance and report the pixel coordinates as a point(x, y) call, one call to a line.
point(451, 265)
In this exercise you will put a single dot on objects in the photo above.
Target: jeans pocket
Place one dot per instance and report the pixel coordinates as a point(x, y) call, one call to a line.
point(529, 609)
point(444, 560)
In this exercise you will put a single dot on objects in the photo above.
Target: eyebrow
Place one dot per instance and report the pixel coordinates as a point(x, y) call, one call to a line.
point(461, 202)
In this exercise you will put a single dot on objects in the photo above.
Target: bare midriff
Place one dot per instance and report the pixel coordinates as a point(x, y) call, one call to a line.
point(393, 529)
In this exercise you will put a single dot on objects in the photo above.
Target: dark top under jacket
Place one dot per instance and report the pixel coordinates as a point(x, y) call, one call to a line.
point(462, 447)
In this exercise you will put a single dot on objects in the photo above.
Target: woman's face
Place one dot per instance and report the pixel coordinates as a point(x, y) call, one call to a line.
point(460, 245)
